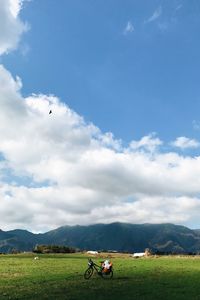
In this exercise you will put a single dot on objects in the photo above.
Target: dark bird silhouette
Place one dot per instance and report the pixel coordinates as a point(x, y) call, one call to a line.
point(50, 112)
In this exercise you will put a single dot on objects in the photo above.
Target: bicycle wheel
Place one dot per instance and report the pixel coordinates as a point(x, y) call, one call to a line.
point(88, 273)
point(107, 275)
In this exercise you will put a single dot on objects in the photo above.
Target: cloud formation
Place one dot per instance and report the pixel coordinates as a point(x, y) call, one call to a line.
point(56, 169)
point(149, 143)
point(11, 27)
point(183, 142)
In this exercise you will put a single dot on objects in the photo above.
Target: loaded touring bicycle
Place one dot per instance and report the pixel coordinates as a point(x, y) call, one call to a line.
point(105, 269)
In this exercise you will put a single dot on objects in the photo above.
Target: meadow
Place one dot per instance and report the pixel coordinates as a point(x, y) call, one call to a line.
point(59, 277)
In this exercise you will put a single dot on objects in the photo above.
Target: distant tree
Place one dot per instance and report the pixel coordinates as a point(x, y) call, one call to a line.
point(53, 249)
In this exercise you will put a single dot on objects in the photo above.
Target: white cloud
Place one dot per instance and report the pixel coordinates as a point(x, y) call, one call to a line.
point(129, 28)
point(15, 7)
point(11, 27)
point(149, 143)
point(156, 14)
point(183, 142)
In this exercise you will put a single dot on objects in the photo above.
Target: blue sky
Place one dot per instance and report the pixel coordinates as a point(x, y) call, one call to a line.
point(123, 140)
point(130, 82)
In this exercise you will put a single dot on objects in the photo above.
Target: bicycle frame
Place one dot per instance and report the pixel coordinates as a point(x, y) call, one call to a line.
point(92, 264)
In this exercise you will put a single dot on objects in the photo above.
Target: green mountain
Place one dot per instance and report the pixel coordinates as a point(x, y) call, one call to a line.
point(116, 236)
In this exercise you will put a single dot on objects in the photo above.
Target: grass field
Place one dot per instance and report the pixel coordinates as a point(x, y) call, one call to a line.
point(61, 277)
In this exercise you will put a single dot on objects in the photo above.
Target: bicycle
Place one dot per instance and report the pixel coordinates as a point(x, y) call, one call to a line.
point(101, 271)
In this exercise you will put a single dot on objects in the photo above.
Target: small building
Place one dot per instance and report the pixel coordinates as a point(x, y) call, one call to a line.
point(140, 254)
point(92, 252)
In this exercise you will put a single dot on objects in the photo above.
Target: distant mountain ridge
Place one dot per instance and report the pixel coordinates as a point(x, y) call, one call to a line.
point(115, 236)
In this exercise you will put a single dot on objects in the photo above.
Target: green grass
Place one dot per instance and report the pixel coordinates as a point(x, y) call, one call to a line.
point(59, 277)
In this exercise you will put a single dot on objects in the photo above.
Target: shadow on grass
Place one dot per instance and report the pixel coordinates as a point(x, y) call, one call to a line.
point(121, 278)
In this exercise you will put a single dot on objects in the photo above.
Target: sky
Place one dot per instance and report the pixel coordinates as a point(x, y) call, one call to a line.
point(122, 142)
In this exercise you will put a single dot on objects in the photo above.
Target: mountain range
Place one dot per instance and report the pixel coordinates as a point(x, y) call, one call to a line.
point(123, 237)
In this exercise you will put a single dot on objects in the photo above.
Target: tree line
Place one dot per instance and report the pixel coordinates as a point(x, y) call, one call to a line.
point(53, 249)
